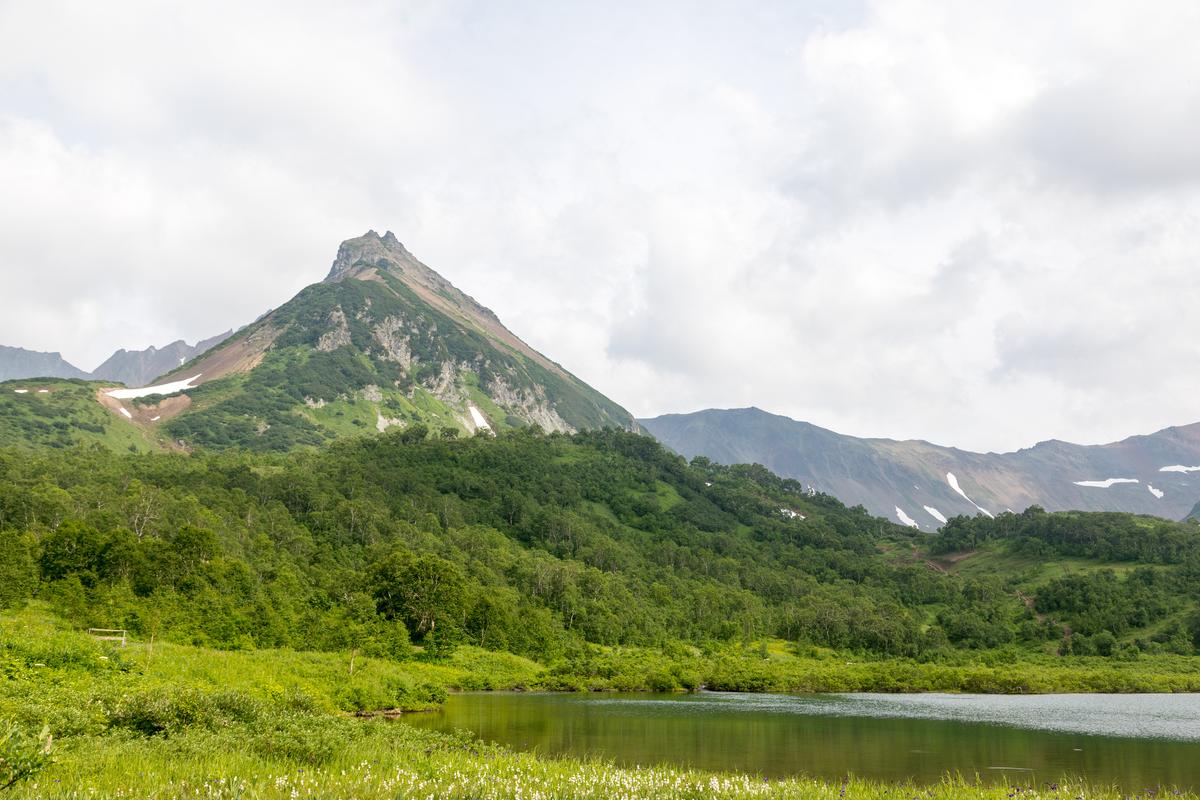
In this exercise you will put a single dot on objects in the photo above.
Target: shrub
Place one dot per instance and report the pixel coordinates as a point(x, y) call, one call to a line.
point(22, 756)
point(167, 711)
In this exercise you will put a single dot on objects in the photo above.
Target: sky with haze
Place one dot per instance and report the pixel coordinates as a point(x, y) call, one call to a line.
point(973, 223)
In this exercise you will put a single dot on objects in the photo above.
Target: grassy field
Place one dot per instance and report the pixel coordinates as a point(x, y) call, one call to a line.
point(167, 721)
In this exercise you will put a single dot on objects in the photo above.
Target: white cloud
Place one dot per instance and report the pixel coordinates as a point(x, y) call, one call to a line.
point(971, 224)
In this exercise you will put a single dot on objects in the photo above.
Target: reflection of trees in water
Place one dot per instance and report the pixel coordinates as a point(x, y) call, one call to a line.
point(776, 743)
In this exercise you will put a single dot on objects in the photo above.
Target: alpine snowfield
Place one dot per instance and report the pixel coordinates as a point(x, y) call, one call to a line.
point(162, 388)
point(478, 418)
point(933, 512)
point(953, 481)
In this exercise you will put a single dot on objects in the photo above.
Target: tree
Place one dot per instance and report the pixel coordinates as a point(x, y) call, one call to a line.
point(72, 549)
point(422, 590)
point(17, 572)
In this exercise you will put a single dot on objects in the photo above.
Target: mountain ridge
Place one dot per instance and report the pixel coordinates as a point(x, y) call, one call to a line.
point(133, 368)
point(138, 368)
point(17, 363)
point(889, 476)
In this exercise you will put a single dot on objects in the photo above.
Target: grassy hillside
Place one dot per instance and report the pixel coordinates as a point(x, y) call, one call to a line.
point(64, 413)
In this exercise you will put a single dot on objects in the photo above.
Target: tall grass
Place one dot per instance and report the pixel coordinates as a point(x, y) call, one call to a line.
point(171, 721)
point(391, 760)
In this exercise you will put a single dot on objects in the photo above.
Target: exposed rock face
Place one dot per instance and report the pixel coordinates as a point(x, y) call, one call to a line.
point(338, 334)
point(382, 423)
point(532, 406)
point(445, 385)
point(1160, 473)
point(368, 252)
point(393, 337)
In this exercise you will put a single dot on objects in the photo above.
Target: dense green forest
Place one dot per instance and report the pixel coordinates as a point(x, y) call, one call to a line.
point(543, 545)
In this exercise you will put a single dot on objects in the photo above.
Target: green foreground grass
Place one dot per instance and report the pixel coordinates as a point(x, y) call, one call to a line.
point(392, 760)
point(167, 721)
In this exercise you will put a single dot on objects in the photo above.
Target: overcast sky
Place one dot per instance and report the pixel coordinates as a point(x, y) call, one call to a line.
point(906, 219)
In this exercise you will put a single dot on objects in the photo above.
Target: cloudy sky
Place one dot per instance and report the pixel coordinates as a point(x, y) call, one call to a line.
point(907, 219)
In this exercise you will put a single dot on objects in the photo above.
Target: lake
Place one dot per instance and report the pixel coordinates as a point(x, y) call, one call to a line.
point(1134, 741)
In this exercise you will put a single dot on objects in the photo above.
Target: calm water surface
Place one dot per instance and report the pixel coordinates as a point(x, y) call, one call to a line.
point(1135, 741)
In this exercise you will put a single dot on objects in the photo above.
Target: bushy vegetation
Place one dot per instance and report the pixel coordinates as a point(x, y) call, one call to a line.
point(1100, 535)
point(531, 544)
point(57, 413)
point(1135, 589)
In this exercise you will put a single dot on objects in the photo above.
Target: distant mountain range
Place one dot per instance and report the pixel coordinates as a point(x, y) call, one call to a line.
point(921, 484)
point(17, 362)
point(134, 368)
point(383, 342)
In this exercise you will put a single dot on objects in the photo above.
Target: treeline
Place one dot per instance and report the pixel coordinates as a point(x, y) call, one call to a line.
point(1099, 535)
point(1104, 612)
point(529, 543)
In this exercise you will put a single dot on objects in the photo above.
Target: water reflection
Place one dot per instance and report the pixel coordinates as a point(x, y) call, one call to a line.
point(1134, 741)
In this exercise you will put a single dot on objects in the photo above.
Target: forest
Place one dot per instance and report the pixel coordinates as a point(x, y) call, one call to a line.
point(544, 545)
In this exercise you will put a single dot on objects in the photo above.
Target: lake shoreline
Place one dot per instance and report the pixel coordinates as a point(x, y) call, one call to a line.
point(1128, 740)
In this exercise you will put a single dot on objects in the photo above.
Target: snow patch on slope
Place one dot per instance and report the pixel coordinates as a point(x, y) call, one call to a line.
point(125, 413)
point(953, 481)
point(162, 388)
point(905, 518)
point(1106, 483)
point(1156, 492)
point(1178, 468)
point(933, 512)
point(478, 418)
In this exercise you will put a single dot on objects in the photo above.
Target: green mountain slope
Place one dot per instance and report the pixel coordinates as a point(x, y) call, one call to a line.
point(383, 342)
point(64, 413)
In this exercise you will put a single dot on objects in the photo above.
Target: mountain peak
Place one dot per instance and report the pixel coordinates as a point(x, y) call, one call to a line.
point(358, 256)
point(384, 341)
